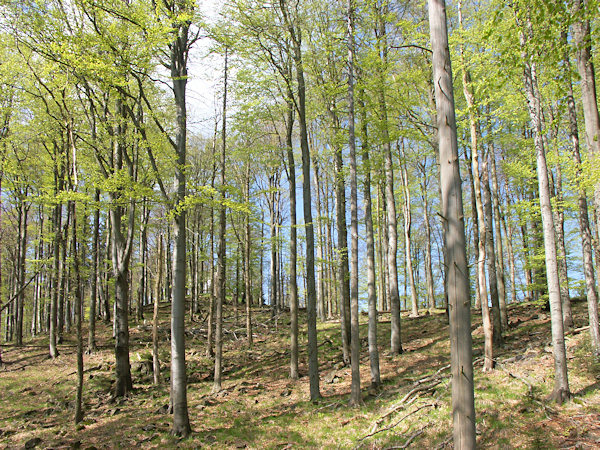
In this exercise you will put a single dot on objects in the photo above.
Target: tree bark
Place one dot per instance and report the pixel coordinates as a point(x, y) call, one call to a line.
point(92, 347)
point(407, 236)
point(157, 295)
point(311, 295)
point(491, 257)
point(293, 241)
point(221, 255)
point(463, 409)
point(584, 222)
point(355, 397)
point(561, 390)
point(585, 66)
point(392, 225)
point(179, 55)
point(488, 362)
point(370, 238)
point(498, 241)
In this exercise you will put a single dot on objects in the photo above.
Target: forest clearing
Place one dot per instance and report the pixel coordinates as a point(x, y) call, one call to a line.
point(260, 407)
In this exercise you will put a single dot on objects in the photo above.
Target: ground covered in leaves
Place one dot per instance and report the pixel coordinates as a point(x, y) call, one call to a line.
point(260, 407)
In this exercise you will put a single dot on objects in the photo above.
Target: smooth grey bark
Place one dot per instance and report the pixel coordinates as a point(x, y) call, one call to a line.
point(463, 408)
point(92, 347)
point(273, 214)
point(79, 319)
point(321, 249)
point(561, 390)
point(355, 397)
point(142, 289)
point(121, 252)
point(221, 255)
point(23, 213)
point(561, 249)
point(342, 250)
point(585, 66)
point(407, 236)
point(211, 260)
point(491, 256)
point(157, 296)
point(507, 225)
point(293, 240)
point(53, 332)
point(427, 220)
point(392, 224)
point(311, 295)
point(584, 222)
point(179, 49)
point(478, 214)
point(248, 263)
point(370, 238)
point(499, 242)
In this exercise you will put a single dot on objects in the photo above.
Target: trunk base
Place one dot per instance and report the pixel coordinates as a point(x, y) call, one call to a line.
point(559, 396)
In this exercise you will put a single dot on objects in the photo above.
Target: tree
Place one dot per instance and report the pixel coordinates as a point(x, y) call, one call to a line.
point(355, 398)
point(561, 390)
point(463, 407)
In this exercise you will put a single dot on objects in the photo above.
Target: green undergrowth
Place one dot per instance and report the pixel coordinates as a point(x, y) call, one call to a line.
point(260, 407)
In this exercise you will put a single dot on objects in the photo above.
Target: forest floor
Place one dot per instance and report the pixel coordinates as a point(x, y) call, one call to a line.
point(260, 407)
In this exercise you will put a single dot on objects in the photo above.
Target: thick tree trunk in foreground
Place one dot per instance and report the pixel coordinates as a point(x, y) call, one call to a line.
point(463, 408)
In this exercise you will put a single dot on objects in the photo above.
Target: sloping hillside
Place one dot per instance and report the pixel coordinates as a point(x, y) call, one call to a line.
point(261, 408)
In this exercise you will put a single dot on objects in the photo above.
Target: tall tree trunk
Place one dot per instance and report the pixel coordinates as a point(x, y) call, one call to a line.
point(428, 258)
point(211, 259)
point(342, 251)
point(56, 223)
point(561, 249)
point(221, 256)
point(320, 247)
point(370, 237)
point(508, 231)
point(482, 301)
point(491, 256)
point(499, 253)
point(157, 297)
point(584, 222)
point(273, 203)
point(407, 236)
point(79, 318)
point(355, 398)
point(293, 241)
point(179, 55)
point(311, 295)
point(92, 347)
point(392, 226)
point(585, 67)
point(561, 390)
point(121, 253)
point(463, 408)
point(248, 263)
point(23, 214)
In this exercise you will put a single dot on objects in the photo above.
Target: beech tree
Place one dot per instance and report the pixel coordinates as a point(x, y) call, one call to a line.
point(463, 408)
